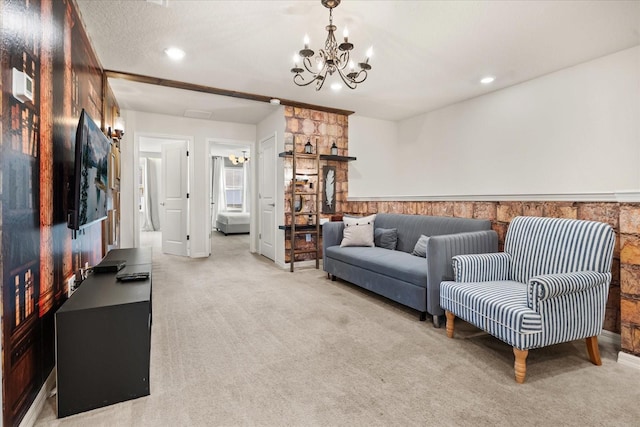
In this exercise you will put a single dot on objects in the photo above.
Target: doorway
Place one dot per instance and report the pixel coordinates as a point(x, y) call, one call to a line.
point(162, 177)
point(231, 194)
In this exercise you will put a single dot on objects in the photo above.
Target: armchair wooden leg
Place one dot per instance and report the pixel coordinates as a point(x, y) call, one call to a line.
point(450, 320)
point(593, 350)
point(520, 364)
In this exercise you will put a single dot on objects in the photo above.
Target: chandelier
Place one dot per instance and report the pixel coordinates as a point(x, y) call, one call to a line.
point(239, 159)
point(334, 58)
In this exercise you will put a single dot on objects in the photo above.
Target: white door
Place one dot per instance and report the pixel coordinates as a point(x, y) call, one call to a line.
point(175, 198)
point(267, 198)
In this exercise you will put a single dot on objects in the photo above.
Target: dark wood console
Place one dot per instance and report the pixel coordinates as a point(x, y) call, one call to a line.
point(103, 338)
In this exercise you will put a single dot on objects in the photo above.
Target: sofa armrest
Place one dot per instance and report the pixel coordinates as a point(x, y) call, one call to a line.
point(548, 286)
point(331, 234)
point(481, 267)
point(440, 250)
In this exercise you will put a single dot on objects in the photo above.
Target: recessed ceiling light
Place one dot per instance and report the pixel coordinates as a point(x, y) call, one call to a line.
point(174, 53)
point(336, 86)
point(274, 101)
point(486, 80)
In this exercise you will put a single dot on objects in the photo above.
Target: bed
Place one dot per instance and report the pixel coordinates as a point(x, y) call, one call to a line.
point(232, 222)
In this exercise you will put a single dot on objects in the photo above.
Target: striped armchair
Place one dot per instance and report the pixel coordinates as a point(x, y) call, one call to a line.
point(550, 285)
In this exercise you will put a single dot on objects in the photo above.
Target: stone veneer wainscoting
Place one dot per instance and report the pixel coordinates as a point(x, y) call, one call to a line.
point(322, 129)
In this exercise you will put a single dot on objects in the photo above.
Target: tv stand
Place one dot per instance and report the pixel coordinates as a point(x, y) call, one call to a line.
point(103, 339)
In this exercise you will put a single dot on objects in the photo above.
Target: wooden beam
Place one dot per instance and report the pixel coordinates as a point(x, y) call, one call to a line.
point(217, 91)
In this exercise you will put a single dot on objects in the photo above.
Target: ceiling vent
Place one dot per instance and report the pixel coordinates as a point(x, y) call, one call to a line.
point(198, 114)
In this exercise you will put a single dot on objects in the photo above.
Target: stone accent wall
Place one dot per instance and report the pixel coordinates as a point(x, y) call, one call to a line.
point(322, 129)
point(623, 306)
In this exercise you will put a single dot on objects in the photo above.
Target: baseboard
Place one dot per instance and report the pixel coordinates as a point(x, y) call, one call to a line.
point(31, 416)
point(200, 255)
point(610, 338)
point(629, 360)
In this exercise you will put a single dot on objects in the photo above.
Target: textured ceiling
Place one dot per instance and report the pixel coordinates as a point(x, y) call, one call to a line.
point(427, 54)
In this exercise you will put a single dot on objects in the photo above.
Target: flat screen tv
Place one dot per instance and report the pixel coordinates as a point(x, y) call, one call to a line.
point(90, 182)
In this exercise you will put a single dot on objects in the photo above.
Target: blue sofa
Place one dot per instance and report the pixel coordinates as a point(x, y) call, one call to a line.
point(396, 274)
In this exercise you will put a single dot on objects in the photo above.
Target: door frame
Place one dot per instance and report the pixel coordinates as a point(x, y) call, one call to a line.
point(253, 195)
point(136, 176)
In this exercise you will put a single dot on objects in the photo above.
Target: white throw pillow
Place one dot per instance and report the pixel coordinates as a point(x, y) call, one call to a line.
point(358, 231)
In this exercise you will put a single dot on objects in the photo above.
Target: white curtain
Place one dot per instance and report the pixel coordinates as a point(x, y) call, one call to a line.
point(145, 217)
point(246, 188)
point(155, 175)
point(219, 199)
point(151, 188)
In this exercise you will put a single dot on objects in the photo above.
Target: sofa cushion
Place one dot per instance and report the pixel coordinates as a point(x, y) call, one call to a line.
point(399, 265)
point(358, 231)
point(386, 238)
point(420, 249)
point(410, 227)
point(499, 307)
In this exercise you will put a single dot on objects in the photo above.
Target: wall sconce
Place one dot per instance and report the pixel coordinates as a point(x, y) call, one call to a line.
point(334, 149)
point(119, 127)
point(308, 149)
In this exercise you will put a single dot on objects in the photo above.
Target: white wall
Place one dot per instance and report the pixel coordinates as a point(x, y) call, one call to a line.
point(274, 124)
point(574, 133)
point(374, 143)
point(140, 124)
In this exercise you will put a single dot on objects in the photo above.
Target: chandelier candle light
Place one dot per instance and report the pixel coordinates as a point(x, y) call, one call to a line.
point(333, 58)
point(239, 159)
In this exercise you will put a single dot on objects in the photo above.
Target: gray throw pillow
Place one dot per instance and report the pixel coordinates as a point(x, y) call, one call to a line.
point(386, 238)
point(420, 249)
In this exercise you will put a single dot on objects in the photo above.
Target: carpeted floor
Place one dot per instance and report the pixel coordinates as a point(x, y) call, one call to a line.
point(238, 341)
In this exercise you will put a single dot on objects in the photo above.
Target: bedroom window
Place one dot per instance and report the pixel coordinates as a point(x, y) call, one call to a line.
point(234, 187)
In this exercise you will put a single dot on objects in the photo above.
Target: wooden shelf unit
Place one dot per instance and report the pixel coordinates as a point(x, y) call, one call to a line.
point(313, 214)
point(295, 230)
point(329, 157)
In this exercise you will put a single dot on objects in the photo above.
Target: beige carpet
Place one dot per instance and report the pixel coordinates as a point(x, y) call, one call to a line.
point(238, 341)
